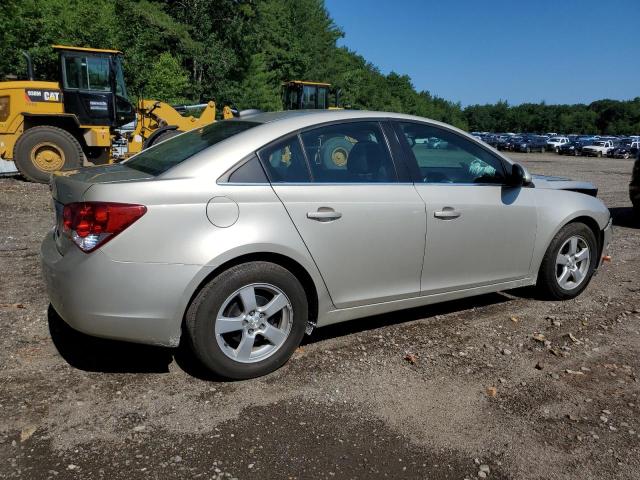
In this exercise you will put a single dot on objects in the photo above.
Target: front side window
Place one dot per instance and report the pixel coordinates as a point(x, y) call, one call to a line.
point(165, 155)
point(442, 156)
point(87, 73)
point(121, 88)
point(354, 152)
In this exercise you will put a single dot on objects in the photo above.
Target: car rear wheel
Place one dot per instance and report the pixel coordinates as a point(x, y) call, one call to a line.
point(248, 321)
point(569, 262)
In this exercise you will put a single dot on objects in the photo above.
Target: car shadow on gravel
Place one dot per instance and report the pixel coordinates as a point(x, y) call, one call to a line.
point(624, 217)
point(93, 354)
point(403, 316)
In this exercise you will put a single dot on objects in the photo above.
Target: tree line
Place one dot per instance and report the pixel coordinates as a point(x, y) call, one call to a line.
point(238, 52)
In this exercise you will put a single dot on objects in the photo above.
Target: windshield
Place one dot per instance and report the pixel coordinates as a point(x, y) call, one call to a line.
point(555, 139)
point(599, 144)
point(168, 154)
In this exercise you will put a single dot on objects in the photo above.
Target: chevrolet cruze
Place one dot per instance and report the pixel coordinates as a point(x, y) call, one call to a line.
point(241, 236)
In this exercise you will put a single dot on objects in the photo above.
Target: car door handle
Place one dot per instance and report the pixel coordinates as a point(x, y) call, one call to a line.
point(447, 213)
point(324, 215)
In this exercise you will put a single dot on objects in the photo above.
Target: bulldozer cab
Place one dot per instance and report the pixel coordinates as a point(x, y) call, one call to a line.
point(301, 95)
point(93, 87)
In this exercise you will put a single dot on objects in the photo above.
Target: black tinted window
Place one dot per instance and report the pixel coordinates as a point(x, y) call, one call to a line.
point(249, 172)
point(349, 153)
point(285, 162)
point(443, 156)
point(161, 157)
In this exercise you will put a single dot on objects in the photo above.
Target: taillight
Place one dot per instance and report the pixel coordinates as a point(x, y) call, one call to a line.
point(92, 224)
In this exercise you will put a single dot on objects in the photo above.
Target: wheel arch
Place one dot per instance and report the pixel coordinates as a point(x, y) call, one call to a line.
point(66, 122)
point(581, 217)
point(593, 226)
point(284, 261)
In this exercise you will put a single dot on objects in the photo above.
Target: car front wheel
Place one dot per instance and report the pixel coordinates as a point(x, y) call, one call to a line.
point(569, 262)
point(248, 321)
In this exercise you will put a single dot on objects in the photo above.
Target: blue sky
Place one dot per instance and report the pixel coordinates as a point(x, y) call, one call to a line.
point(562, 51)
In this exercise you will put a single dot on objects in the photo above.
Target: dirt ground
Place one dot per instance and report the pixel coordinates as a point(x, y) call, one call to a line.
point(481, 397)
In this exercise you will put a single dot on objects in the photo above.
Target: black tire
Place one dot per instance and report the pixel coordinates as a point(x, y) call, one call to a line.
point(201, 318)
point(32, 145)
point(547, 282)
point(161, 137)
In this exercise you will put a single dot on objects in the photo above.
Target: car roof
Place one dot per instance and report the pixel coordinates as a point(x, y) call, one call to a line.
point(274, 125)
point(319, 116)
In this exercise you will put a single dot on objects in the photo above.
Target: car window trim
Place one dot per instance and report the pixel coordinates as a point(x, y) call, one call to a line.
point(413, 164)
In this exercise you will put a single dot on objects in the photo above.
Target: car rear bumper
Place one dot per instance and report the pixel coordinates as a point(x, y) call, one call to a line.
point(137, 302)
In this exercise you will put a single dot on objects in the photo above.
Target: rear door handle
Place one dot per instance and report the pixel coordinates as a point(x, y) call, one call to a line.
point(447, 213)
point(324, 214)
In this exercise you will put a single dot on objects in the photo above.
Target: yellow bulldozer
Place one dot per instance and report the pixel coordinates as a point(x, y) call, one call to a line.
point(50, 126)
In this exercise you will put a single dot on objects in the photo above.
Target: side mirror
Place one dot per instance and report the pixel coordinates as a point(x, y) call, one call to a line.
point(519, 177)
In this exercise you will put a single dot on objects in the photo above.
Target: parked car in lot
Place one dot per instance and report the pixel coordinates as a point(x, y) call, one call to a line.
point(510, 142)
point(599, 148)
point(572, 148)
point(532, 143)
point(626, 149)
point(240, 236)
point(554, 143)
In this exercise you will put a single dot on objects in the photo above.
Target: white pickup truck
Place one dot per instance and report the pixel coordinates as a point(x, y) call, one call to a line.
point(554, 143)
point(598, 149)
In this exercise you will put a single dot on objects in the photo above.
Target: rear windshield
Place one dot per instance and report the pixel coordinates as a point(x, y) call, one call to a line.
point(170, 153)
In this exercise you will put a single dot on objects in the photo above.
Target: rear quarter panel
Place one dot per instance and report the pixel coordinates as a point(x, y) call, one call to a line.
point(177, 230)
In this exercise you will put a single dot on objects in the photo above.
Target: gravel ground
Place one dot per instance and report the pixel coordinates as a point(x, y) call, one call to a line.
point(497, 386)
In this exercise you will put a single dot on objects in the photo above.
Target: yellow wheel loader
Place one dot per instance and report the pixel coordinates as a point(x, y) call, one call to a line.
point(302, 95)
point(50, 126)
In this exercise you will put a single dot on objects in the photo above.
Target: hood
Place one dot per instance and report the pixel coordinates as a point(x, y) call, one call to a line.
point(563, 183)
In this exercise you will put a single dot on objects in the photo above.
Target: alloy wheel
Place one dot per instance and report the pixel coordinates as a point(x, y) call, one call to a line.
point(253, 322)
point(572, 262)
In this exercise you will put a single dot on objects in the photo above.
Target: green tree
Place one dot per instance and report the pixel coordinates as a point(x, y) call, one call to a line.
point(167, 80)
point(258, 89)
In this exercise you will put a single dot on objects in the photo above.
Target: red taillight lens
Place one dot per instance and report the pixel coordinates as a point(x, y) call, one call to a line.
point(91, 224)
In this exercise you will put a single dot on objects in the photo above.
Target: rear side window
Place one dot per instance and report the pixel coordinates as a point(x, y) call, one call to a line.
point(285, 162)
point(249, 172)
point(161, 157)
point(352, 152)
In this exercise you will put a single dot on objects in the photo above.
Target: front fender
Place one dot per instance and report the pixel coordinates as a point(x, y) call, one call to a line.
point(557, 208)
